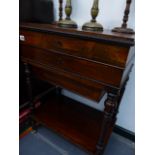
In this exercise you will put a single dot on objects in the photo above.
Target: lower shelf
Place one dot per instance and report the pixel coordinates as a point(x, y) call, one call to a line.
point(76, 122)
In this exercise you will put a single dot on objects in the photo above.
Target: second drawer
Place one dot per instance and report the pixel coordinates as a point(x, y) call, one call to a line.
point(83, 67)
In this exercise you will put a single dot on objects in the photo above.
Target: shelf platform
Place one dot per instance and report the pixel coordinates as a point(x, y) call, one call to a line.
point(74, 121)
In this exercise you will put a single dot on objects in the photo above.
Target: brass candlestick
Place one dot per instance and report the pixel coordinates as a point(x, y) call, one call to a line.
point(123, 28)
point(67, 23)
point(93, 25)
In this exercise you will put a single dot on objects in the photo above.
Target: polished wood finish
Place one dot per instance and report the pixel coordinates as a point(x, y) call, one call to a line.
point(106, 36)
point(98, 51)
point(88, 63)
point(72, 82)
point(76, 122)
point(108, 121)
point(90, 69)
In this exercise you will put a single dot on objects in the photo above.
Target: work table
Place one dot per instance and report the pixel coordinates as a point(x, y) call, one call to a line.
point(91, 64)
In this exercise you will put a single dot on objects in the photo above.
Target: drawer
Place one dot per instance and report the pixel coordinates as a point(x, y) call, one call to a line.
point(112, 54)
point(84, 87)
point(85, 68)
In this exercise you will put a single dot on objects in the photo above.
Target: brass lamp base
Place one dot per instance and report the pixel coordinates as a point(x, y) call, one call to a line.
point(92, 26)
point(123, 30)
point(67, 23)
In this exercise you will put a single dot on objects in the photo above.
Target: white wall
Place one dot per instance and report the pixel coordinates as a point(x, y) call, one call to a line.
point(110, 15)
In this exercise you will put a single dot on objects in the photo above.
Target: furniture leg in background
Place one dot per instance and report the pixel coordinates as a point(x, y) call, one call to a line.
point(29, 85)
point(30, 94)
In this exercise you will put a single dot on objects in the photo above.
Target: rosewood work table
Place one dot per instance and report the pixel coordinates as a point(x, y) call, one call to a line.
point(90, 64)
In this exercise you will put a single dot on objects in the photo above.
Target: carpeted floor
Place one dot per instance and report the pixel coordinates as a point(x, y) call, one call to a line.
point(45, 142)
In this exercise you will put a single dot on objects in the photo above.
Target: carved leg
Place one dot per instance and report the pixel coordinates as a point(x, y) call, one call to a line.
point(30, 94)
point(109, 118)
point(29, 84)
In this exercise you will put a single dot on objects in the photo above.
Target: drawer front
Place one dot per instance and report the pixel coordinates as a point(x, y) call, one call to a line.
point(84, 68)
point(98, 51)
point(87, 88)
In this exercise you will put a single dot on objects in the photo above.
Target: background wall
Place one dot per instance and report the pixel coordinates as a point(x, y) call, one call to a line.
point(110, 15)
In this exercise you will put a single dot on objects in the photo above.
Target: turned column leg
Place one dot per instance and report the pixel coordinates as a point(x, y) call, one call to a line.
point(109, 118)
point(29, 84)
point(30, 94)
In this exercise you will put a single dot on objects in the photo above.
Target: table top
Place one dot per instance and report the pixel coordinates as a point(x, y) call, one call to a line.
point(106, 35)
